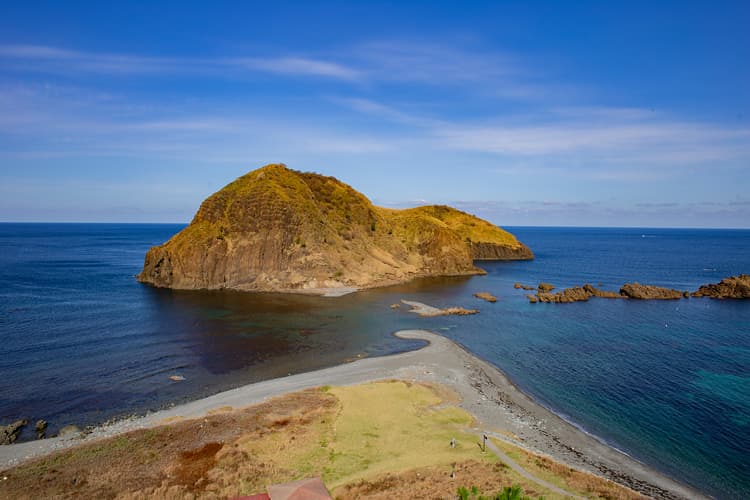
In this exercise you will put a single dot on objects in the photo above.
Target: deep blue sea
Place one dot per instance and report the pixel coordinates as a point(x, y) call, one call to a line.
point(668, 382)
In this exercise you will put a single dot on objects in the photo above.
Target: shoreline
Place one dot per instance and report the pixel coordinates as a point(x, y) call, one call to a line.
point(486, 392)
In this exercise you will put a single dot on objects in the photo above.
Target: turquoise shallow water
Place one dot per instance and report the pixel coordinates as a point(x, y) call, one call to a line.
point(668, 382)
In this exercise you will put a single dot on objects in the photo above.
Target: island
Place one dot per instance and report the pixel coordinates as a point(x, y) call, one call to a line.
point(280, 230)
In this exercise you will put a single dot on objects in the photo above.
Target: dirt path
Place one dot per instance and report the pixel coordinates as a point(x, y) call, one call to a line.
point(516, 467)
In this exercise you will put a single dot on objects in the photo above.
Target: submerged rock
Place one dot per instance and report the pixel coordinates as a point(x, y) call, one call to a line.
point(486, 296)
point(649, 292)
point(427, 311)
point(733, 287)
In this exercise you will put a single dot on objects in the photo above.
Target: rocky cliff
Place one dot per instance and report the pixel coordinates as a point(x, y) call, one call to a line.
point(276, 229)
point(733, 287)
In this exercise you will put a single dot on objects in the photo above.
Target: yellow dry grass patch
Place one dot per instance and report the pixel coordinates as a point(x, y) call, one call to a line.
point(395, 426)
point(221, 409)
point(375, 428)
point(467, 226)
point(565, 477)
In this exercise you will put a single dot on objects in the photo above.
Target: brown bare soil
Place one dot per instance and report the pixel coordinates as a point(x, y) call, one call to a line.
point(190, 459)
point(432, 482)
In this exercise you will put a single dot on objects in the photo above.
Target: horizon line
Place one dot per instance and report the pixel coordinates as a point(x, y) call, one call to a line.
point(500, 226)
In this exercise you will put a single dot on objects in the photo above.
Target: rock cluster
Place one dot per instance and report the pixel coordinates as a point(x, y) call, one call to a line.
point(9, 433)
point(573, 294)
point(650, 292)
point(733, 287)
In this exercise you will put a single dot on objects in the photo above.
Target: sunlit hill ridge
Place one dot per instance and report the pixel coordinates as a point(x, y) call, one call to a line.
point(277, 229)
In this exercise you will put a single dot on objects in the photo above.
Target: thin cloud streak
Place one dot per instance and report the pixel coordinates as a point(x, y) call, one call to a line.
point(43, 59)
point(433, 63)
point(613, 135)
point(298, 66)
point(384, 61)
point(602, 213)
point(661, 142)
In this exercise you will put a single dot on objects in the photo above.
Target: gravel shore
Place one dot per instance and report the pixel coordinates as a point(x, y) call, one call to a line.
point(485, 392)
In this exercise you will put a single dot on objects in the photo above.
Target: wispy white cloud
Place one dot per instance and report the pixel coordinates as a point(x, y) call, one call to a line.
point(384, 61)
point(433, 63)
point(297, 66)
point(555, 139)
point(643, 141)
point(43, 59)
point(622, 137)
point(389, 113)
point(47, 59)
point(599, 213)
point(37, 52)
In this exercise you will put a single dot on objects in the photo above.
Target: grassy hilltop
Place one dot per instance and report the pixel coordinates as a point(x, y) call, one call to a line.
point(276, 229)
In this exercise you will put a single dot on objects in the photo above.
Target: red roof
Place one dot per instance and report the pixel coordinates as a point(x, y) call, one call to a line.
point(306, 489)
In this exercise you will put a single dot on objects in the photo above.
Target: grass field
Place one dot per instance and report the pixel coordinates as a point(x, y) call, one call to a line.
point(378, 440)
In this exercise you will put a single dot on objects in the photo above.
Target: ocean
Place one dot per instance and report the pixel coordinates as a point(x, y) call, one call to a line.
point(667, 382)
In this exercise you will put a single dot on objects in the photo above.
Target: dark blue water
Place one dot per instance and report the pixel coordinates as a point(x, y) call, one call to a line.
point(668, 382)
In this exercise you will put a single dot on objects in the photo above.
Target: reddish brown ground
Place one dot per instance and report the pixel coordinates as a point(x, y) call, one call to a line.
point(183, 460)
point(432, 483)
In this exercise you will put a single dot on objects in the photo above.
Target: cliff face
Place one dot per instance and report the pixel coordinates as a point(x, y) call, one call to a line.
point(733, 287)
point(276, 229)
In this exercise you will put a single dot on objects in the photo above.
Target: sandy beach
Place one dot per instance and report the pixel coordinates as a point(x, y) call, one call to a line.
point(500, 409)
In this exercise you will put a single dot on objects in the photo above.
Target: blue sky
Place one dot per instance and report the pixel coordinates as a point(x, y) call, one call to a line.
point(526, 113)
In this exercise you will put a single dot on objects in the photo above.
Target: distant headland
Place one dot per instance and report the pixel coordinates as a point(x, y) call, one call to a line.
point(277, 229)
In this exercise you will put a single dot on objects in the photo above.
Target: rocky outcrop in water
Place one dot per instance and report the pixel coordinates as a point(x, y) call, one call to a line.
point(604, 294)
point(41, 429)
point(733, 287)
point(427, 311)
point(277, 229)
point(9, 433)
point(486, 296)
point(650, 292)
point(573, 294)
